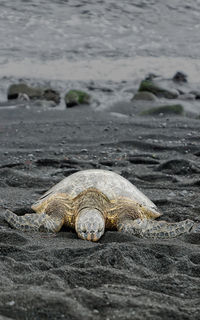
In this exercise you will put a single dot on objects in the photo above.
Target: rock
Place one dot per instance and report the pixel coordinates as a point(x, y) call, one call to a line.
point(22, 90)
point(153, 87)
point(187, 96)
point(144, 95)
point(151, 76)
point(51, 95)
point(177, 109)
point(76, 97)
point(178, 166)
point(196, 94)
point(137, 159)
point(180, 77)
point(197, 97)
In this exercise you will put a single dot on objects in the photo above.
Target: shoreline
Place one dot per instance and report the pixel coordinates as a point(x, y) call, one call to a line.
point(102, 69)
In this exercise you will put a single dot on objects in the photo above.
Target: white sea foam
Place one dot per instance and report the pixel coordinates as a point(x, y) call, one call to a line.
point(102, 69)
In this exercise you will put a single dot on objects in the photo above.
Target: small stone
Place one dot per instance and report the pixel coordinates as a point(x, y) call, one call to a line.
point(11, 303)
point(96, 311)
point(187, 96)
point(184, 193)
point(180, 77)
point(196, 94)
point(84, 151)
point(145, 96)
point(52, 95)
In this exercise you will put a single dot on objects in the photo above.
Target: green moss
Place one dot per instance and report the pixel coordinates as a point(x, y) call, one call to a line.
point(150, 86)
point(76, 97)
point(166, 109)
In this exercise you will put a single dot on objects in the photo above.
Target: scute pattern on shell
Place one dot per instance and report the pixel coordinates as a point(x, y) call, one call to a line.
point(108, 182)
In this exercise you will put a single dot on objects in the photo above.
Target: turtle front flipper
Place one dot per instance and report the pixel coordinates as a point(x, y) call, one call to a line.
point(146, 228)
point(34, 222)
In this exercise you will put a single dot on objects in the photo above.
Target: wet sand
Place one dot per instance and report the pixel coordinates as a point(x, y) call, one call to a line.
point(122, 276)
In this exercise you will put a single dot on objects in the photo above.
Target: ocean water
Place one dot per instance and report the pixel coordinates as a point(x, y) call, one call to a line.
point(98, 40)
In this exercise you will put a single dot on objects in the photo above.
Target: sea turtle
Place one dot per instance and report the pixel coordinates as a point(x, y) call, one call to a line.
point(91, 201)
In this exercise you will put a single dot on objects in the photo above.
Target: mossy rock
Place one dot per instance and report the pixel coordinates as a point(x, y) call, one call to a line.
point(150, 86)
point(177, 109)
point(33, 93)
point(76, 97)
point(15, 89)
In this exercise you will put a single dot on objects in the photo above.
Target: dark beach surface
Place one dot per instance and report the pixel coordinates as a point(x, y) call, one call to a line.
point(45, 276)
point(120, 277)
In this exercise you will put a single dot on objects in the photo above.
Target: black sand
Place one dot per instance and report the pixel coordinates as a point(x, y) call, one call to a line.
point(120, 277)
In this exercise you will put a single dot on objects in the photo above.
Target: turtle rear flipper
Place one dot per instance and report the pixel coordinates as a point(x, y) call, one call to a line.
point(146, 228)
point(34, 222)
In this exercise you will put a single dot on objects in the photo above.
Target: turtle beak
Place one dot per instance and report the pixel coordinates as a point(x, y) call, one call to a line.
point(92, 237)
point(90, 224)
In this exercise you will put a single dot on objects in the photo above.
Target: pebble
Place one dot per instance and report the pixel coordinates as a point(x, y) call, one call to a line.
point(84, 151)
point(172, 194)
point(95, 311)
point(11, 303)
point(30, 155)
point(183, 193)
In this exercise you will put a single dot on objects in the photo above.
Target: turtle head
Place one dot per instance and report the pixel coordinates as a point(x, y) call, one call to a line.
point(90, 224)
